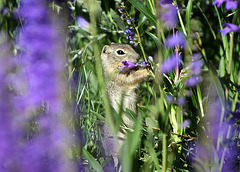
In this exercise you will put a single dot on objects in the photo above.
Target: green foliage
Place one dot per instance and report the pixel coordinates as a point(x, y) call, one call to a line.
point(158, 141)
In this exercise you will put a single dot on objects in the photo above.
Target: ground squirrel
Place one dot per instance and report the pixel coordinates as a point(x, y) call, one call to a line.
point(119, 83)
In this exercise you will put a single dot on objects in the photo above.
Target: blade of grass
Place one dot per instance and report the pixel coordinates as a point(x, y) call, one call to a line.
point(205, 17)
point(188, 15)
point(95, 165)
point(155, 39)
point(143, 9)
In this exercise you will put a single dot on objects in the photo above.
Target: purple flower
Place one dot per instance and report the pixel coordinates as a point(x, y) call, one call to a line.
point(82, 23)
point(185, 123)
point(196, 56)
point(193, 81)
point(129, 22)
point(169, 98)
point(181, 101)
point(170, 63)
point(168, 15)
point(131, 38)
point(10, 119)
point(4, 11)
point(218, 2)
point(229, 27)
point(164, 2)
point(128, 65)
point(174, 40)
point(144, 64)
point(120, 10)
point(129, 32)
point(42, 64)
point(133, 19)
point(231, 4)
point(196, 67)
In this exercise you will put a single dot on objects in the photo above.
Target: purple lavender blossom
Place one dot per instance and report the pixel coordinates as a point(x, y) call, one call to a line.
point(229, 27)
point(10, 119)
point(185, 123)
point(132, 19)
point(82, 23)
point(4, 11)
point(129, 32)
point(181, 101)
point(230, 4)
point(128, 65)
point(174, 40)
point(42, 62)
point(120, 10)
point(196, 56)
point(168, 14)
point(193, 81)
point(164, 2)
point(170, 63)
point(218, 2)
point(169, 98)
point(144, 64)
point(196, 67)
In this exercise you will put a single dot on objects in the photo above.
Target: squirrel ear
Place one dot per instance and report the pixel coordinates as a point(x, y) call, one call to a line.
point(105, 49)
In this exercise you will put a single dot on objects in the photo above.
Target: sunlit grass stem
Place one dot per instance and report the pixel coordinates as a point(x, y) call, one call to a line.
point(98, 64)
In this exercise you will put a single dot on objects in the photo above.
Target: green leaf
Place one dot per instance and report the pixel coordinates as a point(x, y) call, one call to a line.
point(205, 17)
point(143, 9)
point(222, 67)
point(94, 163)
point(117, 19)
point(188, 15)
point(155, 38)
point(130, 145)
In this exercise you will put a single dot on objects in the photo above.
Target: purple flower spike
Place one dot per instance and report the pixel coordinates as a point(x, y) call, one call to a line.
point(164, 2)
point(169, 98)
point(129, 22)
point(231, 4)
point(120, 10)
point(193, 81)
point(169, 64)
point(172, 41)
point(128, 65)
point(197, 67)
point(144, 64)
point(229, 27)
point(169, 15)
point(185, 123)
point(218, 2)
point(82, 23)
point(181, 101)
point(129, 32)
point(196, 56)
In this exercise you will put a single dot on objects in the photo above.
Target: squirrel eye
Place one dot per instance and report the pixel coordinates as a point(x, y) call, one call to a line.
point(120, 52)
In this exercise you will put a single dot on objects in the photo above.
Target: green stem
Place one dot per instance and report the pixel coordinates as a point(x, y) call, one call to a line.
point(230, 53)
point(140, 43)
point(181, 22)
point(164, 153)
point(98, 65)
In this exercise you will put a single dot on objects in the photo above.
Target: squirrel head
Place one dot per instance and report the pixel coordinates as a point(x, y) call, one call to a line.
point(113, 55)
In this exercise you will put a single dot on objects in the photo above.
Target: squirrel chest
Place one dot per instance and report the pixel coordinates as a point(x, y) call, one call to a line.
point(121, 85)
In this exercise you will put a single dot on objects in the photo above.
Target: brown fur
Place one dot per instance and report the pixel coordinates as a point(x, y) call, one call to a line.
point(119, 84)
